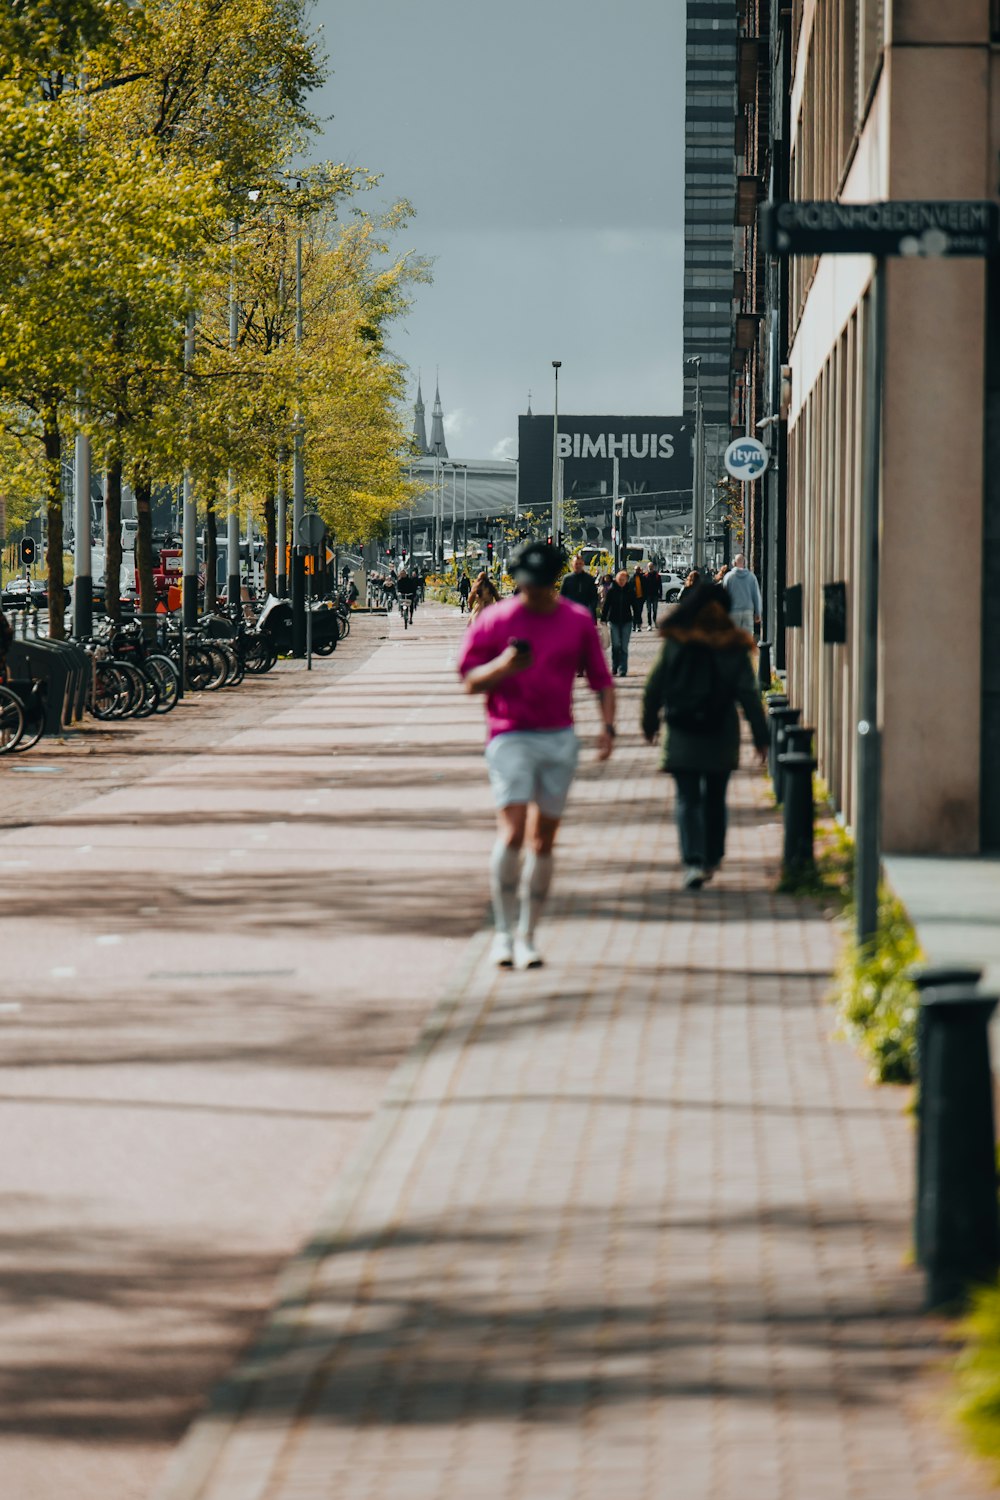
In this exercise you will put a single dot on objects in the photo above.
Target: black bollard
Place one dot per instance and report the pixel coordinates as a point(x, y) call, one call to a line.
point(959, 1229)
point(797, 770)
point(764, 665)
point(780, 719)
point(924, 979)
point(774, 701)
point(799, 739)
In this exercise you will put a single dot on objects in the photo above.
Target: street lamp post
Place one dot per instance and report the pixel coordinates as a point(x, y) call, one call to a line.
point(83, 581)
point(698, 478)
point(298, 477)
point(189, 535)
point(556, 518)
point(232, 499)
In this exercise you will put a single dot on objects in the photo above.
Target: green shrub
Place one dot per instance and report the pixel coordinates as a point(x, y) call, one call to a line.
point(876, 1003)
point(978, 1374)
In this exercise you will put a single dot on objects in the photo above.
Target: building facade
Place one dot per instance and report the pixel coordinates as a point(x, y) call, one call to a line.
point(709, 197)
point(872, 100)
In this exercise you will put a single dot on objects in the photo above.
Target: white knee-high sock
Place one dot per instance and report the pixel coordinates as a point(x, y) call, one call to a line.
point(505, 868)
point(535, 882)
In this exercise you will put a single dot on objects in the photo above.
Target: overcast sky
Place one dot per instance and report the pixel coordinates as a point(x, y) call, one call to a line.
point(541, 143)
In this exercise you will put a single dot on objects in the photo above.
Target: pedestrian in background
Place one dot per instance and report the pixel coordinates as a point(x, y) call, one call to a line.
point(703, 671)
point(638, 598)
point(617, 614)
point(580, 586)
point(652, 588)
point(743, 591)
point(691, 581)
point(483, 593)
point(464, 590)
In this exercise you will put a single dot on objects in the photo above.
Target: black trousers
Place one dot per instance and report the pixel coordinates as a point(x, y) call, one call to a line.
point(701, 816)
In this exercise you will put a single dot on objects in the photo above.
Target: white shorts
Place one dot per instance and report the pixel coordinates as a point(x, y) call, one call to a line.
point(534, 766)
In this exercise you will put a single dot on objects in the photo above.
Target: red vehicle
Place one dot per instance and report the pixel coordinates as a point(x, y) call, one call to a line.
point(166, 575)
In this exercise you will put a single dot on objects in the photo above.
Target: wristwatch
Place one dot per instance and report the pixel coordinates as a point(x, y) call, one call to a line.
point(610, 729)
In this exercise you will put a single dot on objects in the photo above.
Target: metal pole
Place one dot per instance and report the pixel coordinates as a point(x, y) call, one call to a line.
point(616, 537)
point(232, 497)
point(189, 539)
point(298, 481)
point(309, 614)
point(698, 517)
point(83, 579)
point(281, 528)
point(454, 514)
point(557, 366)
point(465, 516)
point(869, 811)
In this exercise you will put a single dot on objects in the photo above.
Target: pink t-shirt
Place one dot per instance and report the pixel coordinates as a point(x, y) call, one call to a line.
point(562, 644)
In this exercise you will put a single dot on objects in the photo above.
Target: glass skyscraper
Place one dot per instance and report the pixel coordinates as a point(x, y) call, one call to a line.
point(709, 215)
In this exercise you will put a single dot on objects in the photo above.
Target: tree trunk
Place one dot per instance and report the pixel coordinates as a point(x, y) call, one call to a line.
point(52, 440)
point(113, 542)
point(211, 554)
point(270, 543)
point(144, 541)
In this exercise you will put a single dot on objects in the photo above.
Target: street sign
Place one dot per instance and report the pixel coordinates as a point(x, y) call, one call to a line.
point(909, 229)
point(311, 530)
point(746, 459)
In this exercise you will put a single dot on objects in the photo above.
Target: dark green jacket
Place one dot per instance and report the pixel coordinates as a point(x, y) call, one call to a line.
point(720, 751)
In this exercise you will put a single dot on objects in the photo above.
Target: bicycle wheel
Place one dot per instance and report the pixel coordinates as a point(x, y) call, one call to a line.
point(135, 685)
point(168, 680)
point(150, 695)
point(257, 652)
point(200, 669)
point(234, 666)
point(34, 726)
point(110, 693)
point(11, 721)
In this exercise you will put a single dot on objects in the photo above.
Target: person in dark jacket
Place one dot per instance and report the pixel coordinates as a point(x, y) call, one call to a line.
point(639, 598)
point(617, 612)
point(580, 586)
point(702, 673)
point(652, 588)
point(464, 590)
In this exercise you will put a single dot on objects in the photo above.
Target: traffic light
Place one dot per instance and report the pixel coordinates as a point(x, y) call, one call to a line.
point(388, 551)
point(549, 539)
point(28, 549)
point(489, 553)
point(559, 541)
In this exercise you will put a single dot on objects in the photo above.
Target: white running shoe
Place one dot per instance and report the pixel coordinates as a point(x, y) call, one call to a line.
point(502, 952)
point(526, 955)
point(694, 878)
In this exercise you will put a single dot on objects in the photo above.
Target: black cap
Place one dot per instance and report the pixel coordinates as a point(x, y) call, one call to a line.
point(538, 563)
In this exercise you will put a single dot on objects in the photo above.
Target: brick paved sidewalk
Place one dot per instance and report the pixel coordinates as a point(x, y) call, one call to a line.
point(633, 1226)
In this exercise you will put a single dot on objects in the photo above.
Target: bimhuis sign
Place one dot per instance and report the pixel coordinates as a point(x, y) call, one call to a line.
point(899, 228)
point(652, 456)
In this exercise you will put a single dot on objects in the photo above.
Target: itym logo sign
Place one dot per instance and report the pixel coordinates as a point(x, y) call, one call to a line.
point(746, 459)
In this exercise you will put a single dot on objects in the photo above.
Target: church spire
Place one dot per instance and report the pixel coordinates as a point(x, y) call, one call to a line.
point(439, 446)
point(419, 426)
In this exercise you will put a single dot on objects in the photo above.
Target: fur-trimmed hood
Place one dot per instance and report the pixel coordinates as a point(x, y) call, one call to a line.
point(712, 627)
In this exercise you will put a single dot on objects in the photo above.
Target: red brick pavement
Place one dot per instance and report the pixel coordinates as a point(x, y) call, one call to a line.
point(632, 1226)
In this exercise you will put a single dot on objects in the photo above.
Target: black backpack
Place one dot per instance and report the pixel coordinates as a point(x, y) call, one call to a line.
point(696, 699)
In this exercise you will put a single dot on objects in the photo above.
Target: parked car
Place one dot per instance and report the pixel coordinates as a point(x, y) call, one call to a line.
point(670, 587)
point(22, 593)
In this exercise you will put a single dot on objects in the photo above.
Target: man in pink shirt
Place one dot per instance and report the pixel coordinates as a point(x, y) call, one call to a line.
point(525, 655)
